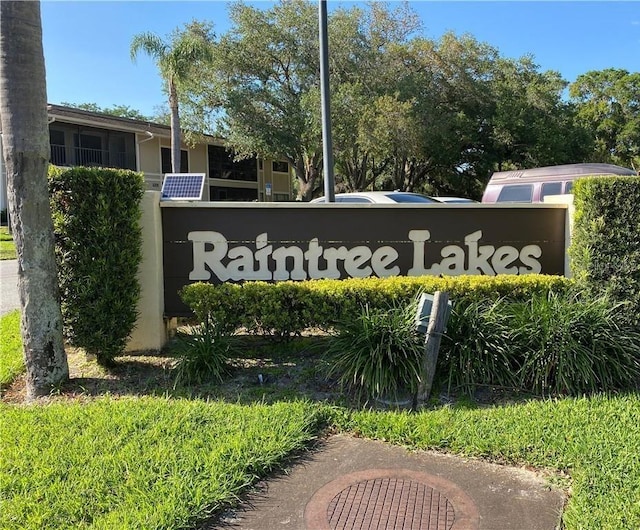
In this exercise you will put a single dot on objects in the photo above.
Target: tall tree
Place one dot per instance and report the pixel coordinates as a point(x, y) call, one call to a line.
point(265, 77)
point(23, 115)
point(371, 109)
point(407, 112)
point(433, 123)
point(532, 124)
point(608, 104)
point(176, 59)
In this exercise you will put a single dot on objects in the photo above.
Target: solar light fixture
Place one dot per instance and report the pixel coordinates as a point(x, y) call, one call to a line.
point(182, 187)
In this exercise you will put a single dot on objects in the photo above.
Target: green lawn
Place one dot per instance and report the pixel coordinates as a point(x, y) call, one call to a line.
point(138, 463)
point(7, 246)
point(11, 363)
point(162, 462)
point(165, 463)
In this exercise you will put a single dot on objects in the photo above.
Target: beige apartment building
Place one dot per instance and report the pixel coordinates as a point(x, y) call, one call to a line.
point(84, 138)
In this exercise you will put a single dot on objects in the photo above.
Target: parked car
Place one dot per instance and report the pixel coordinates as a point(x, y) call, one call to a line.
point(532, 185)
point(454, 200)
point(381, 197)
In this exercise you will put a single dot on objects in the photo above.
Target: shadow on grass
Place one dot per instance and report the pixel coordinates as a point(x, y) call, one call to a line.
point(129, 376)
point(266, 371)
point(263, 371)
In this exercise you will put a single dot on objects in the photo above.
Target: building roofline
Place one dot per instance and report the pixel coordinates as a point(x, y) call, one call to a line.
point(99, 119)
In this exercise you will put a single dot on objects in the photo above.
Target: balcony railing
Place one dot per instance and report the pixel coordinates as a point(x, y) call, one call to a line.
point(62, 155)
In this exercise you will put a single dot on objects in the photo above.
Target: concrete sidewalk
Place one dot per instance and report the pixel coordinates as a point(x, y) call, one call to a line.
point(353, 483)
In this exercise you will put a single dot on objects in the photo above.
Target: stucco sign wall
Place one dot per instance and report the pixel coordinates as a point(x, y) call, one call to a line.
point(217, 242)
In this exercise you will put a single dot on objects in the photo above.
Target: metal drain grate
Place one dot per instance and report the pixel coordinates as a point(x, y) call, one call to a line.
point(390, 504)
point(390, 499)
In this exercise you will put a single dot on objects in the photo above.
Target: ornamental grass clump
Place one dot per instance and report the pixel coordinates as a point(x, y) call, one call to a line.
point(377, 352)
point(203, 352)
point(477, 347)
point(551, 344)
point(574, 344)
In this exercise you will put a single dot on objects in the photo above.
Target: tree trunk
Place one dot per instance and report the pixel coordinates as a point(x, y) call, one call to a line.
point(23, 115)
point(307, 171)
point(175, 127)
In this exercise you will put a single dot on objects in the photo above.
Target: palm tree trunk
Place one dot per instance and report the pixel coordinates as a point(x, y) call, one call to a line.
point(23, 115)
point(175, 127)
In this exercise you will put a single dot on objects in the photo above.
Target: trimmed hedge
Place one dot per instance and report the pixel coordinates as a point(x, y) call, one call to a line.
point(287, 308)
point(533, 333)
point(96, 216)
point(605, 250)
point(483, 343)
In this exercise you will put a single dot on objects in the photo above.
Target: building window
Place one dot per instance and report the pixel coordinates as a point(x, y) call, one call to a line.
point(219, 193)
point(88, 146)
point(166, 160)
point(58, 148)
point(223, 166)
point(122, 150)
point(280, 197)
point(280, 167)
point(89, 149)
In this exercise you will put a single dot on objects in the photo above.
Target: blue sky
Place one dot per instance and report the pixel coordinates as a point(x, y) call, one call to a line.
point(86, 44)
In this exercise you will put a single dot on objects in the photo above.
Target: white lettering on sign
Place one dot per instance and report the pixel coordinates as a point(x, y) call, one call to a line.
point(212, 254)
point(475, 259)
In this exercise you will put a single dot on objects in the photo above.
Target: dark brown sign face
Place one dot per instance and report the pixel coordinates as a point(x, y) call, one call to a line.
point(241, 242)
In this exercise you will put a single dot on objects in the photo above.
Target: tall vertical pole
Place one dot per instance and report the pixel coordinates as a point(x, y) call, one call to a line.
point(327, 148)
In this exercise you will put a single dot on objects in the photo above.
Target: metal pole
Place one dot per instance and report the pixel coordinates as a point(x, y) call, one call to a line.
point(327, 149)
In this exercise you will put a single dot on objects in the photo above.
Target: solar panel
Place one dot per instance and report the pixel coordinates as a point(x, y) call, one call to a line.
point(182, 187)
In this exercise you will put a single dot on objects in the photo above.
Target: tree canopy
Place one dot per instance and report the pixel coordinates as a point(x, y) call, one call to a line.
point(608, 105)
point(408, 112)
point(121, 111)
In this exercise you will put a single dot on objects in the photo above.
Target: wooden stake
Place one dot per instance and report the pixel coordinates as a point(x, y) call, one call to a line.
point(437, 324)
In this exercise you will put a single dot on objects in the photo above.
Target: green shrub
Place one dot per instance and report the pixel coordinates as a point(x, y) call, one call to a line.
point(280, 310)
point(377, 352)
point(96, 215)
point(203, 352)
point(572, 345)
point(287, 308)
point(550, 344)
point(221, 304)
point(532, 333)
point(605, 248)
point(476, 348)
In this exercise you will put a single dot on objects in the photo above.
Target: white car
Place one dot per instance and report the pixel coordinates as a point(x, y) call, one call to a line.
point(381, 197)
point(454, 200)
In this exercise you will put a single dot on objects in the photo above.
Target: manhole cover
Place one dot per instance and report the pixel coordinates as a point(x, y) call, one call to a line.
point(385, 499)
